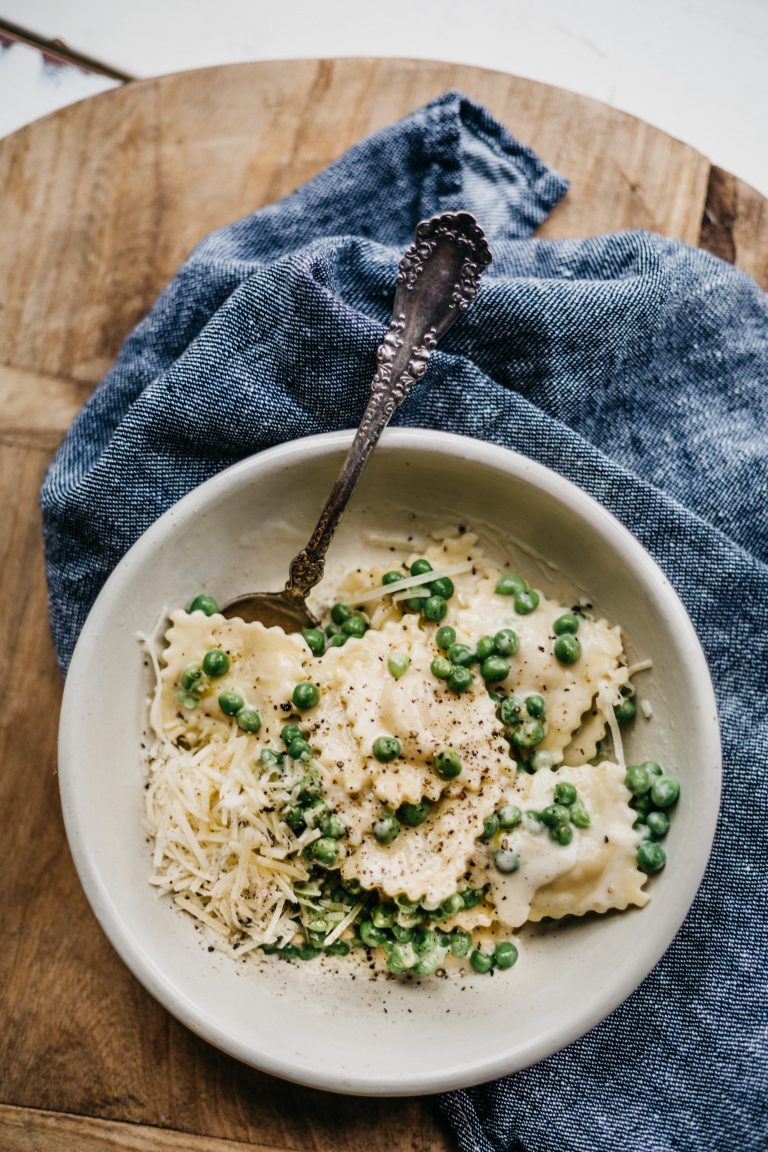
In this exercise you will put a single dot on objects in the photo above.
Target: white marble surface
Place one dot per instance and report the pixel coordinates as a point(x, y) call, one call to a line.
point(696, 68)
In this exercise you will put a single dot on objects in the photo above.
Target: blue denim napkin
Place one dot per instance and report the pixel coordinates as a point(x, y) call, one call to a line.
point(630, 363)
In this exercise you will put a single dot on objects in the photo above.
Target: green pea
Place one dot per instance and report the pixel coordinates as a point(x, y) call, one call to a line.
point(529, 733)
point(187, 700)
point(338, 948)
point(425, 940)
point(311, 788)
point(216, 662)
point(567, 648)
point(461, 655)
point(370, 935)
point(307, 952)
point(406, 905)
point(397, 963)
point(305, 695)
point(419, 567)
point(333, 826)
point(461, 942)
point(414, 814)
point(561, 834)
point(356, 626)
point(665, 792)
point(443, 586)
point(315, 640)
point(526, 601)
point(434, 608)
point(484, 648)
point(481, 961)
point(505, 954)
point(191, 678)
point(554, 815)
point(565, 793)
point(460, 679)
point(338, 640)
point(653, 768)
point(299, 749)
point(326, 851)
point(637, 779)
point(248, 720)
point(651, 857)
point(642, 804)
point(291, 732)
point(658, 824)
point(506, 642)
point(441, 667)
point(447, 764)
point(398, 664)
point(445, 636)
point(452, 904)
point(270, 759)
point(410, 919)
point(204, 603)
point(392, 577)
point(333, 630)
point(293, 816)
point(231, 702)
point(508, 585)
point(402, 935)
point(490, 827)
point(414, 603)
point(540, 759)
point(386, 748)
point(340, 613)
point(536, 706)
point(494, 668)
point(506, 860)
point(511, 711)
point(567, 623)
point(509, 816)
point(472, 896)
point(386, 829)
point(580, 818)
point(428, 965)
point(434, 914)
point(383, 915)
point(625, 710)
point(406, 953)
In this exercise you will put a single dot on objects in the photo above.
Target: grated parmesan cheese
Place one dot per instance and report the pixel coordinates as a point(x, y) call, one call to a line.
point(382, 590)
point(606, 708)
point(219, 850)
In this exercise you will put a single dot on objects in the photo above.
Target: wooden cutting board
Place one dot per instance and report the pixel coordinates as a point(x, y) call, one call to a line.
point(100, 203)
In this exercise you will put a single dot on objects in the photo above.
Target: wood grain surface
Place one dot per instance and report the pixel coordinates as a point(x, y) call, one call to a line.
point(100, 203)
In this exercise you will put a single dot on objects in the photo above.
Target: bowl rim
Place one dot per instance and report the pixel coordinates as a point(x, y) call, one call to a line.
point(159, 983)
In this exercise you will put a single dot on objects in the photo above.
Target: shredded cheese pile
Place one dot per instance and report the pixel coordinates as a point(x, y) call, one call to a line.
point(220, 848)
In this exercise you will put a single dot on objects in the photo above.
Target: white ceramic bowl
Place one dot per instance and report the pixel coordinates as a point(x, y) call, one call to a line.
point(301, 1022)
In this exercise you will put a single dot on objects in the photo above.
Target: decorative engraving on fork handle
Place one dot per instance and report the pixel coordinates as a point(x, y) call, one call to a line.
point(437, 280)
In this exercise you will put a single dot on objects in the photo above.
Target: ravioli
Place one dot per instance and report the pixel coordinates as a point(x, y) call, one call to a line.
point(595, 872)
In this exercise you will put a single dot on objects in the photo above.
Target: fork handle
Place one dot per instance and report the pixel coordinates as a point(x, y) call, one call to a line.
point(437, 280)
